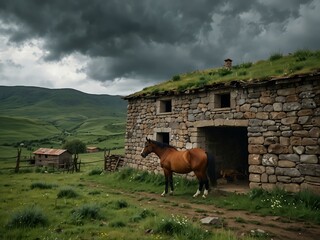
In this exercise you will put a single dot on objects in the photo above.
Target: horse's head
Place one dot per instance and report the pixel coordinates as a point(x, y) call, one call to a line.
point(148, 148)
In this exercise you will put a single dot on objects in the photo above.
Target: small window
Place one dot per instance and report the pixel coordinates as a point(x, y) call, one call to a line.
point(163, 137)
point(222, 100)
point(165, 106)
point(46, 156)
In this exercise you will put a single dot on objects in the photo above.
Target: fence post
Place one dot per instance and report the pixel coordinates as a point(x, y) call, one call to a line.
point(16, 170)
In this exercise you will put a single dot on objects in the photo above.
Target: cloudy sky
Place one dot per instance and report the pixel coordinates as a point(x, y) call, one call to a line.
point(119, 47)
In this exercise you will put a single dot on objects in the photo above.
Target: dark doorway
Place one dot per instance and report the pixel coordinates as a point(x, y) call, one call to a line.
point(229, 145)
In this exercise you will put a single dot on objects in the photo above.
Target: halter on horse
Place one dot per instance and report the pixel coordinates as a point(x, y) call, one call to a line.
point(172, 160)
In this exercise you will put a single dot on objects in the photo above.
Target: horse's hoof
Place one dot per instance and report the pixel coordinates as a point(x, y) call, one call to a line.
point(204, 196)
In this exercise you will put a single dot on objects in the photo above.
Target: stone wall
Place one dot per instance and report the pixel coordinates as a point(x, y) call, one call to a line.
point(282, 118)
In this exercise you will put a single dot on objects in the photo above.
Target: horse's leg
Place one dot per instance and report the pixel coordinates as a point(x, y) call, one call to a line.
point(203, 180)
point(206, 186)
point(198, 192)
point(166, 175)
point(171, 183)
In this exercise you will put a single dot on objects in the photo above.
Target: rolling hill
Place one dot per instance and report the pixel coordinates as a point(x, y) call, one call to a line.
point(40, 116)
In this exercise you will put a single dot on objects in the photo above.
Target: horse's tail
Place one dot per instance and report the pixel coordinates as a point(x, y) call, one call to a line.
point(211, 170)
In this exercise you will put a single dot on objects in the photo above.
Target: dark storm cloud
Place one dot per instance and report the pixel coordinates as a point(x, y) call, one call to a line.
point(151, 40)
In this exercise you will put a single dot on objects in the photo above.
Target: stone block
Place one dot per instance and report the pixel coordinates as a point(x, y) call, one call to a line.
point(289, 120)
point(257, 149)
point(256, 140)
point(272, 178)
point(312, 179)
point(291, 172)
point(270, 140)
point(309, 141)
point(264, 178)
point(270, 170)
point(268, 186)
point(254, 177)
point(257, 169)
point(308, 159)
point(286, 164)
point(311, 187)
point(284, 179)
point(277, 115)
point(277, 107)
point(297, 180)
point(291, 106)
point(253, 185)
point(278, 149)
point(313, 149)
point(299, 149)
point(254, 159)
point(309, 169)
point(270, 160)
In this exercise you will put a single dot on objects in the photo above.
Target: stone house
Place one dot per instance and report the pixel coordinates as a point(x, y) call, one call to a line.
point(267, 129)
point(57, 158)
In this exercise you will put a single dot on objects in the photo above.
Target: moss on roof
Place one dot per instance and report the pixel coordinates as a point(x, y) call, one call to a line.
point(301, 62)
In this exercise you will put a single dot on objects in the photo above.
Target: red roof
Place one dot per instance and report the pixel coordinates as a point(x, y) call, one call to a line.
point(50, 151)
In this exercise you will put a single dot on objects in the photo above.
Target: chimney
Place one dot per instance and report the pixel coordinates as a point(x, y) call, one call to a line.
point(228, 63)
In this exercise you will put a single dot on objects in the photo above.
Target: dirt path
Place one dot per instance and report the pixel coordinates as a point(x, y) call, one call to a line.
point(240, 222)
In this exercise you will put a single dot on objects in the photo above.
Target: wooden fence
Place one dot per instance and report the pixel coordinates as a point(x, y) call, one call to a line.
point(110, 163)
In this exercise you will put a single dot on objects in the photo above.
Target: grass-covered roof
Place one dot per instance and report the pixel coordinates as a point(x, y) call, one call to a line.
point(302, 62)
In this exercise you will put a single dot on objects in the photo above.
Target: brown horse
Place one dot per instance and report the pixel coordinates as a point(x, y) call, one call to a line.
point(172, 160)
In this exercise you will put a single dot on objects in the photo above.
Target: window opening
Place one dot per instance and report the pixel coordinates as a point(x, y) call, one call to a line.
point(222, 100)
point(163, 137)
point(165, 106)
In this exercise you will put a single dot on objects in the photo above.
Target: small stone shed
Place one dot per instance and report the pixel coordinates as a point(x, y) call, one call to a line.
point(268, 129)
point(57, 158)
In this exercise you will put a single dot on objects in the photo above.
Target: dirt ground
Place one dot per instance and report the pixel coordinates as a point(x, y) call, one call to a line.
point(273, 227)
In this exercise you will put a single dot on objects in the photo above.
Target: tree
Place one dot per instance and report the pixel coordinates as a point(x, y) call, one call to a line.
point(75, 147)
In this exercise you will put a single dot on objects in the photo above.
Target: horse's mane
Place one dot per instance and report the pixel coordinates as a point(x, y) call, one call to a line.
point(163, 145)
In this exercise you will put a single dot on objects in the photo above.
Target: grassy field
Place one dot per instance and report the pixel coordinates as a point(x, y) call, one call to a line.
point(91, 204)
point(88, 205)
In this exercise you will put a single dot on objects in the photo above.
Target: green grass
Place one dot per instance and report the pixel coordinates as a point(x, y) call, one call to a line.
point(300, 62)
point(109, 206)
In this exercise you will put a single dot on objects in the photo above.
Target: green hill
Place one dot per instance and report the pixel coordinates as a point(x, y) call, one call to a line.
point(47, 117)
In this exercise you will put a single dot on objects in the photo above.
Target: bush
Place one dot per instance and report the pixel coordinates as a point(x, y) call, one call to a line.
point(87, 211)
point(275, 57)
point(117, 224)
point(176, 78)
point(142, 215)
point(224, 71)
point(28, 217)
point(302, 55)
point(95, 172)
point(67, 193)
point(121, 204)
point(179, 226)
point(42, 185)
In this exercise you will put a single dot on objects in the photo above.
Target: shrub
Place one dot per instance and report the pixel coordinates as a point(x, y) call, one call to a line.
point(28, 217)
point(242, 73)
point(95, 172)
point(309, 199)
point(176, 78)
point(224, 71)
point(302, 55)
point(179, 226)
point(67, 193)
point(117, 224)
point(87, 211)
point(142, 215)
point(275, 56)
point(121, 204)
point(42, 185)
